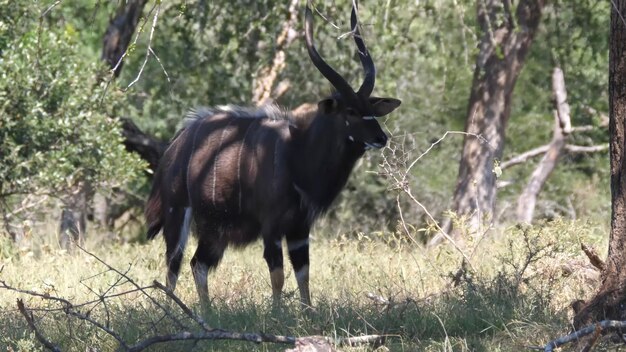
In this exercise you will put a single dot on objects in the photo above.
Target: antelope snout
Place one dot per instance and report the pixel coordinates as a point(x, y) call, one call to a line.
point(379, 142)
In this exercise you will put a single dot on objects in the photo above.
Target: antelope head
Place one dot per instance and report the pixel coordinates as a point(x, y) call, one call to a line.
point(358, 109)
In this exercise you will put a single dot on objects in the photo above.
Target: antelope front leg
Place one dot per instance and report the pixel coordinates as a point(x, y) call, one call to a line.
point(299, 256)
point(273, 255)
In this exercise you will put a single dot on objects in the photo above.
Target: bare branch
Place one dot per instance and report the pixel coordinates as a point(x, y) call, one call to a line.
point(593, 256)
point(182, 306)
point(522, 158)
point(585, 128)
point(604, 325)
point(149, 50)
point(560, 101)
point(586, 149)
point(562, 128)
point(215, 334)
point(31, 323)
point(132, 282)
point(570, 148)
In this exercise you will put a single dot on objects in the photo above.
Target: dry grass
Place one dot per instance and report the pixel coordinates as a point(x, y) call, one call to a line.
point(518, 296)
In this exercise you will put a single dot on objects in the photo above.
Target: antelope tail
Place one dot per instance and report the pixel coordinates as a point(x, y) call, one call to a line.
point(154, 211)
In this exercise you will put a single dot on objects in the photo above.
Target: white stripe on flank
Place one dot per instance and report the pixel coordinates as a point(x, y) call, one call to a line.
point(292, 246)
point(243, 143)
point(276, 163)
point(217, 154)
point(193, 150)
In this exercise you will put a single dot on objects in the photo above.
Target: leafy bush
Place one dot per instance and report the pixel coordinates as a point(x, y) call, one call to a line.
point(58, 125)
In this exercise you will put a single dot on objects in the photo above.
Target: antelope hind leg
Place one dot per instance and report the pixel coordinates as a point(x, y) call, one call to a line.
point(299, 256)
point(273, 254)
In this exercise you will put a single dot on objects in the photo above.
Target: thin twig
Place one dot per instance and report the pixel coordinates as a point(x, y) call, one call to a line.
point(182, 306)
point(149, 50)
point(31, 323)
point(132, 282)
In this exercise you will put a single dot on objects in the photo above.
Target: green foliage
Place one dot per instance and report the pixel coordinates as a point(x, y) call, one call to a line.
point(58, 124)
point(210, 52)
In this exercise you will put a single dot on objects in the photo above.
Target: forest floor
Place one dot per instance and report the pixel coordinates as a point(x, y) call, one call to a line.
point(515, 294)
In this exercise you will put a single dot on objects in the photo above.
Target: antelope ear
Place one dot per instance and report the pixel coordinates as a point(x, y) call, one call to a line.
point(328, 105)
point(383, 106)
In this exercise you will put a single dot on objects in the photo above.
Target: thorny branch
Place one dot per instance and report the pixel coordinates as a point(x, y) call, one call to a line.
point(400, 182)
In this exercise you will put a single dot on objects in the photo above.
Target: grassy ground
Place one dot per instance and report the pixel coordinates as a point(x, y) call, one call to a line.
point(517, 294)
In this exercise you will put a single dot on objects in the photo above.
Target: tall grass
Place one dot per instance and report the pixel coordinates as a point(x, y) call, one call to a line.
point(517, 296)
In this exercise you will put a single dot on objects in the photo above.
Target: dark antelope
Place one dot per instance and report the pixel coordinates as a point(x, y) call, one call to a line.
point(242, 174)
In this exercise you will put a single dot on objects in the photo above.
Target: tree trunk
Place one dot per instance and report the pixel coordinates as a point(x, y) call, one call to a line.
point(503, 48)
point(120, 32)
point(73, 223)
point(262, 93)
point(610, 300)
point(562, 127)
point(117, 38)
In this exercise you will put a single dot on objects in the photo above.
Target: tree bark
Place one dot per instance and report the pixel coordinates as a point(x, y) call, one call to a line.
point(262, 93)
point(611, 297)
point(503, 48)
point(562, 127)
point(120, 32)
point(117, 38)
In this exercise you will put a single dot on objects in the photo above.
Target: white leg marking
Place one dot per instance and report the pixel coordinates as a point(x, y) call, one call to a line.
point(171, 280)
point(302, 274)
point(292, 246)
point(302, 277)
point(200, 274)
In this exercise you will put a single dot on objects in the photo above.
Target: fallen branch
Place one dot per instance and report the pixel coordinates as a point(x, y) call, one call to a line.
point(182, 306)
point(185, 333)
point(375, 340)
point(603, 326)
point(216, 334)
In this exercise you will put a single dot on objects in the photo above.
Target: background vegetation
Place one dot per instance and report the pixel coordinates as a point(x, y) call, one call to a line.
point(60, 128)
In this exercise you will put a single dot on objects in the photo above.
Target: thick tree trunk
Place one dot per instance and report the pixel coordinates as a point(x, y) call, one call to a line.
point(562, 127)
point(610, 300)
point(503, 48)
